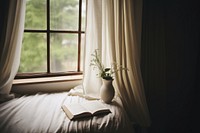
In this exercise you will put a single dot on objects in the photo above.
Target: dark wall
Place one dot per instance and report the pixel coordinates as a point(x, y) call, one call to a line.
point(170, 64)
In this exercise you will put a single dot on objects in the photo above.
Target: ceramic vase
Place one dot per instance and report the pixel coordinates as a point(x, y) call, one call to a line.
point(107, 91)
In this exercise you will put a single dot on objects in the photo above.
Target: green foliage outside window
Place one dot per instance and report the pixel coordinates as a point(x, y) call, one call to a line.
point(63, 46)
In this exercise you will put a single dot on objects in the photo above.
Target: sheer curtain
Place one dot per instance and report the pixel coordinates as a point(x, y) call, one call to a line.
point(95, 39)
point(114, 27)
point(10, 42)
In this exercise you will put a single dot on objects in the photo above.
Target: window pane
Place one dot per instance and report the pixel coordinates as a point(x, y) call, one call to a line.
point(82, 51)
point(83, 15)
point(64, 52)
point(33, 53)
point(64, 14)
point(35, 14)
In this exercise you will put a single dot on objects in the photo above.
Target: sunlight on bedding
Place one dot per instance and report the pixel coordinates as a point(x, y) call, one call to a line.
point(42, 113)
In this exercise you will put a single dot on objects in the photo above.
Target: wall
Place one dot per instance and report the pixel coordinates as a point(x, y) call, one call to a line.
point(170, 64)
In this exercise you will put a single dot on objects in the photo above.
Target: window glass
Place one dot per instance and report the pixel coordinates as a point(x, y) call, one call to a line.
point(64, 14)
point(83, 15)
point(64, 52)
point(82, 51)
point(35, 17)
point(33, 53)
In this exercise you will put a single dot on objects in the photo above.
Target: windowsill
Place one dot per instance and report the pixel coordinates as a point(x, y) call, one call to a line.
point(47, 79)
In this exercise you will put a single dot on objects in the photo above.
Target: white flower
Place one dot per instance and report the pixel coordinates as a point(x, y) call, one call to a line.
point(105, 73)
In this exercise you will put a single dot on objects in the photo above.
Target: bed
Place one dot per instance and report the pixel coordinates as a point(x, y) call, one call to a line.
point(42, 113)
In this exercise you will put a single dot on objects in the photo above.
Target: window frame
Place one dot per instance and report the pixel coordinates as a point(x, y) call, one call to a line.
point(48, 31)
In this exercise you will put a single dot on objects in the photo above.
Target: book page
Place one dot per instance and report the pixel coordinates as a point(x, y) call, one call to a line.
point(76, 108)
point(95, 106)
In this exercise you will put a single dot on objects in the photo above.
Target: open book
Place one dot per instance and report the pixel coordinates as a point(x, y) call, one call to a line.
point(85, 109)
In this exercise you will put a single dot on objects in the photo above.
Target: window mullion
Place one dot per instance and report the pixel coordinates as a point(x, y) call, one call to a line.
point(48, 36)
point(79, 35)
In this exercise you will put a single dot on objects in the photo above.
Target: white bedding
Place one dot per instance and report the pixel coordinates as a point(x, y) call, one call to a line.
point(42, 113)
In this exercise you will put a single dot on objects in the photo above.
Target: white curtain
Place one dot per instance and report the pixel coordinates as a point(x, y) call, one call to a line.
point(94, 30)
point(10, 44)
point(114, 27)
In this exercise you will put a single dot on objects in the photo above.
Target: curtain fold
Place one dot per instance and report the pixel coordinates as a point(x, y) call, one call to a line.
point(10, 43)
point(92, 42)
point(127, 52)
point(114, 27)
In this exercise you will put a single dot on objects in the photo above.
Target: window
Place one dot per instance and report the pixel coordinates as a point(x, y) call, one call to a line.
point(52, 43)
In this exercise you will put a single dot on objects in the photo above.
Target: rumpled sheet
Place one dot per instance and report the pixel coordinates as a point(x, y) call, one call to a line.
point(42, 113)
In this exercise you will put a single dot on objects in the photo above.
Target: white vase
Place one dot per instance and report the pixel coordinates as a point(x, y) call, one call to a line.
point(107, 91)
